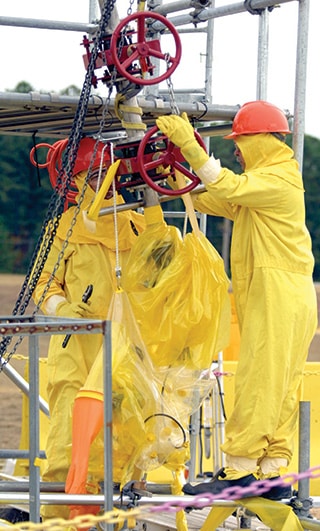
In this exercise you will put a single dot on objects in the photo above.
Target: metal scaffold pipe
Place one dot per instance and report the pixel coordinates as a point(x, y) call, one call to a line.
point(48, 24)
point(300, 82)
point(97, 499)
point(179, 6)
point(216, 12)
point(200, 14)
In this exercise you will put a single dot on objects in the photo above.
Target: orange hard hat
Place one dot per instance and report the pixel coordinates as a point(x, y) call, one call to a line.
point(259, 117)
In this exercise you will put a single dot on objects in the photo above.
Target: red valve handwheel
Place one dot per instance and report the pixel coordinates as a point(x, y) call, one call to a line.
point(170, 159)
point(143, 49)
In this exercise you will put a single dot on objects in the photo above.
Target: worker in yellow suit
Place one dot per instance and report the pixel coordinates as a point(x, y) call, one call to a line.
point(271, 266)
point(88, 258)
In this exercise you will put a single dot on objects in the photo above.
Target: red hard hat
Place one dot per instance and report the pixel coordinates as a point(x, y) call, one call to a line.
point(85, 152)
point(259, 117)
point(83, 160)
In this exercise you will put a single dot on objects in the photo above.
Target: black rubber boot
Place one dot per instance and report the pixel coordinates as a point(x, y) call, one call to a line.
point(216, 485)
point(279, 492)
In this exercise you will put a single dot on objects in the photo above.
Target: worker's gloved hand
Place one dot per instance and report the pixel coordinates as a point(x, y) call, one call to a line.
point(177, 128)
point(181, 133)
point(72, 309)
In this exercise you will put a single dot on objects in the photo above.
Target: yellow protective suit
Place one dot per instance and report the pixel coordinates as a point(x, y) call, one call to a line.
point(89, 258)
point(271, 265)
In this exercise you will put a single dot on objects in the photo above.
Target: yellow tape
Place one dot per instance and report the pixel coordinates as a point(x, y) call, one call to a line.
point(134, 125)
point(188, 204)
point(95, 208)
point(133, 110)
point(141, 5)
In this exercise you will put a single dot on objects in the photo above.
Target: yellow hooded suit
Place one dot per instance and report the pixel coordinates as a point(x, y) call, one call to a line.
point(89, 258)
point(271, 265)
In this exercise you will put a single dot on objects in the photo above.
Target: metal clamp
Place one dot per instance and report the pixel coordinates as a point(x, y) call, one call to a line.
point(253, 11)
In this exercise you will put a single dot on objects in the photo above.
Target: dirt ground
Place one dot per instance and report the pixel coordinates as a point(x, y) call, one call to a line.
point(10, 395)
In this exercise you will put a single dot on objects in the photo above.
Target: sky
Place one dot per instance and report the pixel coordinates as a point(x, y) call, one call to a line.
point(51, 60)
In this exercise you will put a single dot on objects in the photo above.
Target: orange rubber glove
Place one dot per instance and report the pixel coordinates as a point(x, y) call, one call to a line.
point(86, 423)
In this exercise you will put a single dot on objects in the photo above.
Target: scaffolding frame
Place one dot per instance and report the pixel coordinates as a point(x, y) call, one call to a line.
point(33, 327)
point(52, 114)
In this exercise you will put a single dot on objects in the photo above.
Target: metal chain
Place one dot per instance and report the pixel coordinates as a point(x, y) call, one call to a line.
point(129, 10)
point(82, 194)
point(56, 205)
point(173, 104)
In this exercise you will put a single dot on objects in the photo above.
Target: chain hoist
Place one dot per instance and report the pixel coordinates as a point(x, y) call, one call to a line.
point(57, 201)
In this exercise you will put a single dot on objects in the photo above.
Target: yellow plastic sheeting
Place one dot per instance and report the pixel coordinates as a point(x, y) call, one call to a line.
point(179, 294)
point(277, 516)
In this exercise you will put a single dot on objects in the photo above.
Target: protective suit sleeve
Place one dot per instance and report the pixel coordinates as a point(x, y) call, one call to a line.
point(56, 284)
point(209, 203)
point(181, 133)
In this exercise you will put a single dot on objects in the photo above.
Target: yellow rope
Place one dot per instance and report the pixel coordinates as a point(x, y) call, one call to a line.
point(115, 516)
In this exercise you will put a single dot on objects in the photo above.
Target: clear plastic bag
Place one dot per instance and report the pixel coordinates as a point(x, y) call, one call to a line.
point(145, 424)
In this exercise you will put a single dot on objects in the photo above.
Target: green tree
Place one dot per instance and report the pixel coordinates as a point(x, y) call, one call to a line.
point(23, 87)
point(24, 198)
point(6, 251)
point(311, 172)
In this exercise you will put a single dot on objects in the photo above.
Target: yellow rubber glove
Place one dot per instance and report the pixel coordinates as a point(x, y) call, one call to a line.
point(181, 133)
point(72, 309)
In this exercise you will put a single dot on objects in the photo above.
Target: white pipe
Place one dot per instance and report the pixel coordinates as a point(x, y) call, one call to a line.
point(301, 81)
